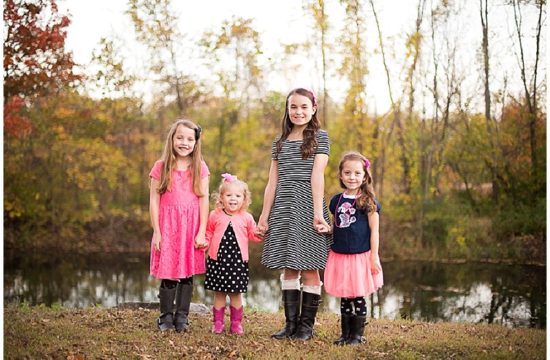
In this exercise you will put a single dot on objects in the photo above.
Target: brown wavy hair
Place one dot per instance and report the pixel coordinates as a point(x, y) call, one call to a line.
point(366, 200)
point(169, 158)
point(310, 132)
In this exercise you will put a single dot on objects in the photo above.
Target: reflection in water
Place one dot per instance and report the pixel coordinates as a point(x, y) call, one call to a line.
point(502, 294)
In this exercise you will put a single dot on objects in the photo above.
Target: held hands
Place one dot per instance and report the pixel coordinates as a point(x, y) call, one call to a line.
point(323, 229)
point(375, 266)
point(262, 227)
point(200, 242)
point(320, 225)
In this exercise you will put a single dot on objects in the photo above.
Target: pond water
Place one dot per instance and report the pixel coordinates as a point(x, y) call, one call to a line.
point(511, 295)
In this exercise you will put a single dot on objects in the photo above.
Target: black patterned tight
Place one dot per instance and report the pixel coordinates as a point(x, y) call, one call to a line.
point(347, 306)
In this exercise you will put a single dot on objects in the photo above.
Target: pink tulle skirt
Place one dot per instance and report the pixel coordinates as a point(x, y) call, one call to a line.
point(349, 275)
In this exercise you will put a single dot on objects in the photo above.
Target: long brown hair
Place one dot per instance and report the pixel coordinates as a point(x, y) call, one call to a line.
point(366, 200)
point(310, 132)
point(169, 158)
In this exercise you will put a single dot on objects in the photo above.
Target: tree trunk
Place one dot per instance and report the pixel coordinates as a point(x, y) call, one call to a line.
point(530, 97)
point(487, 95)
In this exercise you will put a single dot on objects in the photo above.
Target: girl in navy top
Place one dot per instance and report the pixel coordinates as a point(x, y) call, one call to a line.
point(353, 269)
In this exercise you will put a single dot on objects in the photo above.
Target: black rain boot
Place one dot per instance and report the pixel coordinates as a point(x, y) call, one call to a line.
point(345, 324)
point(310, 305)
point(166, 320)
point(291, 303)
point(184, 292)
point(357, 330)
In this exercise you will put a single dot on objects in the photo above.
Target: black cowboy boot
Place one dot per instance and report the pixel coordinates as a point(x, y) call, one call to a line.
point(184, 291)
point(357, 330)
point(310, 305)
point(166, 320)
point(345, 324)
point(291, 303)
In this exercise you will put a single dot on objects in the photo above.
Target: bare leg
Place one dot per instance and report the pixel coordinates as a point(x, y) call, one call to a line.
point(235, 300)
point(311, 277)
point(289, 274)
point(219, 299)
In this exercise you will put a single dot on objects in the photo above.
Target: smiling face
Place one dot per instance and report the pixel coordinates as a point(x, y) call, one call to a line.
point(300, 109)
point(183, 141)
point(352, 175)
point(232, 198)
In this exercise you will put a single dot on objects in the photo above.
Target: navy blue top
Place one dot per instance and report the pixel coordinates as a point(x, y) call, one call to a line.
point(352, 235)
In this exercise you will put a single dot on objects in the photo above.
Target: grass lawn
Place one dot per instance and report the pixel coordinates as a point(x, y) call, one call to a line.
point(96, 333)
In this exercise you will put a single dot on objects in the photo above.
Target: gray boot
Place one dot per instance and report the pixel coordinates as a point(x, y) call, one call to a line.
point(166, 319)
point(184, 292)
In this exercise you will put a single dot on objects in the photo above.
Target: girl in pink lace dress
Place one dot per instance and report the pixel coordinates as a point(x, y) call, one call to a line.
point(179, 213)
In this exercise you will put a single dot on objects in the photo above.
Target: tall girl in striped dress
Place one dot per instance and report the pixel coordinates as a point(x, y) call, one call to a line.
point(293, 207)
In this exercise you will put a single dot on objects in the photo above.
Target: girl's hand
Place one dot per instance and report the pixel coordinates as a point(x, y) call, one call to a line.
point(322, 229)
point(320, 222)
point(262, 227)
point(375, 266)
point(200, 242)
point(156, 241)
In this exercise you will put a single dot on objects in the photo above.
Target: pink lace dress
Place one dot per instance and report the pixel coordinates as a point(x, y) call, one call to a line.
point(179, 221)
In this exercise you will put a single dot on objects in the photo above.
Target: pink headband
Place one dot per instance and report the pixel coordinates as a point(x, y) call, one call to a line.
point(313, 95)
point(228, 178)
point(367, 163)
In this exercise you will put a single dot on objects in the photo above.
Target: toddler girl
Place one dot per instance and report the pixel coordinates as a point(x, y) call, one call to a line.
point(229, 229)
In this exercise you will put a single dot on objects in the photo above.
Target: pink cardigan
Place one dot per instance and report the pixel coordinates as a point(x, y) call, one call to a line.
point(243, 225)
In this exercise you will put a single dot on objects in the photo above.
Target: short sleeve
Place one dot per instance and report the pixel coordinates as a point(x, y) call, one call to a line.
point(323, 143)
point(204, 170)
point(274, 154)
point(156, 170)
point(378, 206)
point(332, 206)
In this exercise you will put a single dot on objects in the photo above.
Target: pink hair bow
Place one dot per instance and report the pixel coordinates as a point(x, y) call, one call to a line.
point(367, 163)
point(228, 177)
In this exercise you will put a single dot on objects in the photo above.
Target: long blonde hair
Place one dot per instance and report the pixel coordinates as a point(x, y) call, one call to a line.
point(169, 158)
point(366, 200)
point(225, 183)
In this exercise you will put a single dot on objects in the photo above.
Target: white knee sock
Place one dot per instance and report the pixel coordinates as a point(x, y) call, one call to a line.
point(313, 289)
point(290, 284)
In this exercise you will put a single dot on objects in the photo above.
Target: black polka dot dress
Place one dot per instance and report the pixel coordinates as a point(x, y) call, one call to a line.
point(229, 273)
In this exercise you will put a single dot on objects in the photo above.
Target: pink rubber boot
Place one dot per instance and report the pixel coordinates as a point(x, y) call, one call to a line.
point(236, 318)
point(217, 323)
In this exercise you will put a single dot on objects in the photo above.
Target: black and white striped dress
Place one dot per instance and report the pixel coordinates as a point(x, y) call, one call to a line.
point(291, 241)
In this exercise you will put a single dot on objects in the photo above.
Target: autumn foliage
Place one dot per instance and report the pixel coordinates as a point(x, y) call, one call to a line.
point(453, 182)
point(35, 60)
